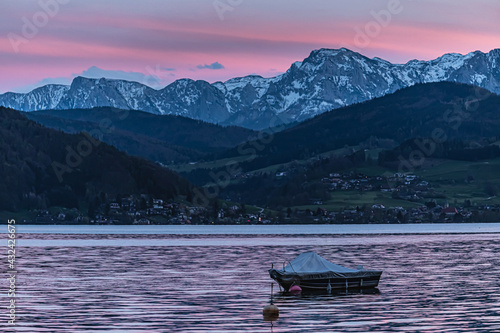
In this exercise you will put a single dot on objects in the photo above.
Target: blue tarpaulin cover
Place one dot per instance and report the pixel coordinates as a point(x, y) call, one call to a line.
point(311, 262)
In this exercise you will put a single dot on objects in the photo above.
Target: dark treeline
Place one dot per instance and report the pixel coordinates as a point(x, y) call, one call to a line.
point(453, 150)
point(164, 138)
point(41, 167)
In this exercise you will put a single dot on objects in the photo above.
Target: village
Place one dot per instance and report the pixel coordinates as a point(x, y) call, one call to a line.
point(429, 207)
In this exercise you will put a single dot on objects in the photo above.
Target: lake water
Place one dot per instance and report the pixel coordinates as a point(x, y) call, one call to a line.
point(437, 278)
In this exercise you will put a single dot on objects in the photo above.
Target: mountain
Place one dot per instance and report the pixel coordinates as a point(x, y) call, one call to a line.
point(46, 97)
point(166, 139)
point(327, 79)
point(442, 120)
point(451, 111)
point(42, 167)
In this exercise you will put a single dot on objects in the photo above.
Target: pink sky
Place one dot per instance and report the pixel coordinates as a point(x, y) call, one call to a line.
point(157, 42)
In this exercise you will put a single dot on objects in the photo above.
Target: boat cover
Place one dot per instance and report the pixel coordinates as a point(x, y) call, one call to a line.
point(311, 262)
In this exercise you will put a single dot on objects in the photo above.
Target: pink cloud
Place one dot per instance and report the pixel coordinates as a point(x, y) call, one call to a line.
point(253, 38)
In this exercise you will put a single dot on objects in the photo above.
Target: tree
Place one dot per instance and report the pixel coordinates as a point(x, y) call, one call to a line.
point(400, 216)
point(490, 189)
point(215, 209)
point(91, 212)
point(143, 205)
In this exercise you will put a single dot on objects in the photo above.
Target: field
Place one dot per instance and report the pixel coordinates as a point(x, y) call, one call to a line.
point(459, 180)
point(351, 199)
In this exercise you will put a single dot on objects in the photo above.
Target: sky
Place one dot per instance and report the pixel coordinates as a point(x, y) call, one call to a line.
point(158, 41)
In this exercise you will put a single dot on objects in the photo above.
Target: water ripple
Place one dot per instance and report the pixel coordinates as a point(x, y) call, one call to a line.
point(431, 283)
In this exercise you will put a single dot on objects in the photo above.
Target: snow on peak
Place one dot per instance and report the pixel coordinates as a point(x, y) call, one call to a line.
point(326, 79)
point(453, 60)
point(383, 61)
point(244, 79)
point(238, 83)
point(331, 52)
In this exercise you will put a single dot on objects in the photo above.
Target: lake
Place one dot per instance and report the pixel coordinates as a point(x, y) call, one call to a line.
point(437, 278)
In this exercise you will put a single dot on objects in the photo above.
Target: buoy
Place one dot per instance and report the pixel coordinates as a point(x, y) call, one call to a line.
point(271, 312)
point(295, 289)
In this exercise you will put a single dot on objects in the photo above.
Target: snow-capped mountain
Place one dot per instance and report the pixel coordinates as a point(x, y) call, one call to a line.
point(325, 80)
point(46, 97)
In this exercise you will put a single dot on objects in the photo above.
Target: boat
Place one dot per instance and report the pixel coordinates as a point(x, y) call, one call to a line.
point(311, 272)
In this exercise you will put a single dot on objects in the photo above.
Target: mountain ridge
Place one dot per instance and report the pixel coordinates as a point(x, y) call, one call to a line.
point(408, 113)
point(401, 132)
point(166, 139)
point(327, 79)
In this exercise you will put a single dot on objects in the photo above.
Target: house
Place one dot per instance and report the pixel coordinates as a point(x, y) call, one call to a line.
point(126, 204)
point(157, 204)
point(142, 221)
point(449, 211)
point(99, 219)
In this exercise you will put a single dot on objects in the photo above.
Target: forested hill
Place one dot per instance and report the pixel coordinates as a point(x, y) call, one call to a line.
point(167, 139)
point(42, 167)
point(457, 111)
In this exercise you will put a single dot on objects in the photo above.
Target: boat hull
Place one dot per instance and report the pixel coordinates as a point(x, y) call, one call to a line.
point(327, 280)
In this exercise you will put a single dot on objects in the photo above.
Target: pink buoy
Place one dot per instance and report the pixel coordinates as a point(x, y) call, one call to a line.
point(295, 289)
